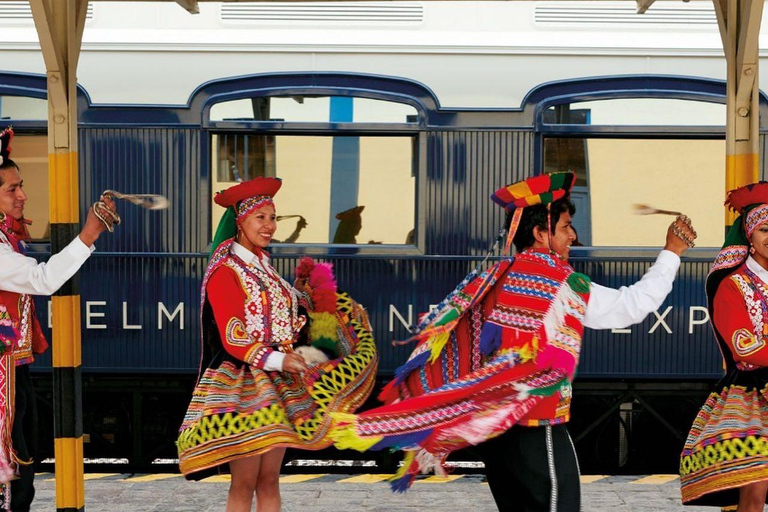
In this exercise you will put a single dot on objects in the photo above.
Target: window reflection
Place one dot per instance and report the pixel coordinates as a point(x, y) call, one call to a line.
point(336, 189)
point(614, 174)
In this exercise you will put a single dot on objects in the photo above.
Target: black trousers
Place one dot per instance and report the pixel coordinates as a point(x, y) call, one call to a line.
point(24, 436)
point(533, 469)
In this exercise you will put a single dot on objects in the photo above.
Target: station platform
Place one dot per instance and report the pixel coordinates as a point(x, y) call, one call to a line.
point(369, 492)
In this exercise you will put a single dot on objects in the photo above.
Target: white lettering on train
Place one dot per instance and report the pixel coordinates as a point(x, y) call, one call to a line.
point(97, 318)
point(692, 320)
point(697, 315)
point(161, 311)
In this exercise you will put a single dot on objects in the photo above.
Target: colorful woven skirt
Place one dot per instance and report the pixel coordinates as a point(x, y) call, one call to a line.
point(238, 411)
point(727, 446)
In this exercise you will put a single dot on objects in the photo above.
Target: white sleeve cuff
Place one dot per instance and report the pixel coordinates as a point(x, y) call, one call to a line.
point(274, 362)
point(668, 259)
point(79, 249)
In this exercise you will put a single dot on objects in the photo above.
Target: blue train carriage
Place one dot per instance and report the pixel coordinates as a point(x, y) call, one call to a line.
point(393, 190)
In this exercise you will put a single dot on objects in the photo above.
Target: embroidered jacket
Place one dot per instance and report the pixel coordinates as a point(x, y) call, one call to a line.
point(740, 315)
point(254, 309)
point(21, 309)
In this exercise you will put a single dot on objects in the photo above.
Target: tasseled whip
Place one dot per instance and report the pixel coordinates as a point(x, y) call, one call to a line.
point(110, 218)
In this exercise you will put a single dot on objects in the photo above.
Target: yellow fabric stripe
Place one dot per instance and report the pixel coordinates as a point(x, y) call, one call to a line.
point(656, 479)
point(66, 331)
point(70, 489)
point(295, 479)
point(740, 170)
point(62, 176)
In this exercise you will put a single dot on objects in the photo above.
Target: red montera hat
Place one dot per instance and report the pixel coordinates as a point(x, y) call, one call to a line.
point(261, 186)
point(754, 193)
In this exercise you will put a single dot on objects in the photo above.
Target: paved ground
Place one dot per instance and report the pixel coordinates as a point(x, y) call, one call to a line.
point(365, 492)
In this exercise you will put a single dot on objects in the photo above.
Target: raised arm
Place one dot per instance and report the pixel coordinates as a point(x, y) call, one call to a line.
point(615, 309)
point(22, 274)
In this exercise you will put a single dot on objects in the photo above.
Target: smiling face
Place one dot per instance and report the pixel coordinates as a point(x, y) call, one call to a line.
point(759, 240)
point(12, 195)
point(561, 240)
point(258, 228)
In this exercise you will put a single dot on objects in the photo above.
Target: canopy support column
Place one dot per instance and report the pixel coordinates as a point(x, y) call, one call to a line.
point(60, 25)
point(739, 23)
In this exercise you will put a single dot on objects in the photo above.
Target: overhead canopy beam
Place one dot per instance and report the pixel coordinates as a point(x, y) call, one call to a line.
point(189, 5)
point(60, 25)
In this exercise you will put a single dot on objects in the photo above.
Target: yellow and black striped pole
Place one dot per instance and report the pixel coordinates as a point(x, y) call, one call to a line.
point(739, 23)
point(59, 25)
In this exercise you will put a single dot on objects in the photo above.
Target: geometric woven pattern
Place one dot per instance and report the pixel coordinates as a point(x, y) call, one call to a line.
point(727, 446)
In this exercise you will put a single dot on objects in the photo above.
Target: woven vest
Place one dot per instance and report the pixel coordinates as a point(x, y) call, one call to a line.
point(21, 309)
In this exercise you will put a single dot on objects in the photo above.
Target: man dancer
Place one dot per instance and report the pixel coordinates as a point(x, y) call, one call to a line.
point(20, 278)
point(497, 358)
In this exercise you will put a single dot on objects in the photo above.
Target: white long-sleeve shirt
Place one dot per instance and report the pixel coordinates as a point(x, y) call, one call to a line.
point(22, 274)
point(609, 308)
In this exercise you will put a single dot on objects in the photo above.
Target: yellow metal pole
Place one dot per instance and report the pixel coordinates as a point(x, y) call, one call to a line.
point(59, 25)
point(739, 22)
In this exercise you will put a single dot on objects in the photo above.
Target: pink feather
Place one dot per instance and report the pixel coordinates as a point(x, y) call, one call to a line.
point(322, 278)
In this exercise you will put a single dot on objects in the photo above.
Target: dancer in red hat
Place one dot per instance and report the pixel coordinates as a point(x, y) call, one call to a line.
point(496, 358)
point(725, 458)
point(255, 395)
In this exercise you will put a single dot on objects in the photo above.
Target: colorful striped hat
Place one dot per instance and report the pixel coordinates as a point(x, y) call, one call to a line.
point(542, 189)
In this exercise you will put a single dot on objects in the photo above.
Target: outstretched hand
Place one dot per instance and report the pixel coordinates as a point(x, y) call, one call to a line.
point(680, 235)
point(94, 226)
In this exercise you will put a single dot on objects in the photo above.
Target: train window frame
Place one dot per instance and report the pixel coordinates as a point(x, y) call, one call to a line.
point(544, 131)
point(279, 128)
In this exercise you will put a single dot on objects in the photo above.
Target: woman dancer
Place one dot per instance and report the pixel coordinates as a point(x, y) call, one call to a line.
point(255, 395)
point(725, 458)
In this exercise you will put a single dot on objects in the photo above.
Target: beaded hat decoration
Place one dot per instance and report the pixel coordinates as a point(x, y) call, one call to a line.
point(5, 144)
point(240, 201)
point(543, 189)
point(249, 195)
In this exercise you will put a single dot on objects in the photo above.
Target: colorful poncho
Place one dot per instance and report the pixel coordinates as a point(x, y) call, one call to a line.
point(500, 350)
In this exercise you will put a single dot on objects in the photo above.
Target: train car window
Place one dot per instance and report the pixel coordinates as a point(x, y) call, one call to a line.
point(638, 112)
point(23, 108)
point(336, 189)
point(651, 171)
point(30, 152)
point(314, 109)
